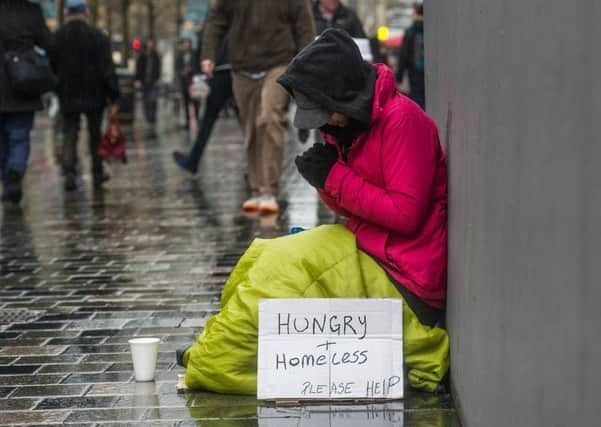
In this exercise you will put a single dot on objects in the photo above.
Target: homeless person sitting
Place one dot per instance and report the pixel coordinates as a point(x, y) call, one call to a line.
point(383, 168)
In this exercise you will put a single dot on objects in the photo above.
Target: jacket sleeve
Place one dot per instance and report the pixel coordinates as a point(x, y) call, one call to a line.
point(408, 165)
point(54, 51)
point(405, 55)
point(303, 24)
point(331, 203)
point(43, 36)
point(216, 27)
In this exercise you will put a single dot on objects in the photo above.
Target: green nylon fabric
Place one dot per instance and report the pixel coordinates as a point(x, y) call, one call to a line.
point(320, 263)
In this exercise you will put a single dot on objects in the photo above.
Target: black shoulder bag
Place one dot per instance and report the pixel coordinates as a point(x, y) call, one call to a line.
point(29, 71)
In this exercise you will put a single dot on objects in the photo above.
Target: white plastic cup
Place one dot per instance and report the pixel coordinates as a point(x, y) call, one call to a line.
point(144, 355)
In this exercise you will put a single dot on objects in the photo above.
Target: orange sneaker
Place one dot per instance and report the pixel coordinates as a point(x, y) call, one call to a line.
point(252, 204)
point(268, 204)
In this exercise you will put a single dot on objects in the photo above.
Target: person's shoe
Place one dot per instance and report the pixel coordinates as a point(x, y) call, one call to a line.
point(252, 204)
point(179, 354)
point(13, 190)
point(70, 183)
point(98, 180)
point(182, 161)
point(268, 205)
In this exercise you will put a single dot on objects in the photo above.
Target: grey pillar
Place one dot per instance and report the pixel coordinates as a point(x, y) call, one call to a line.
point(515, 87)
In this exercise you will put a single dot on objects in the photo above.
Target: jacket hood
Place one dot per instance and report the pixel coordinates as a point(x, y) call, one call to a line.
point(385, 89)
point(331, 72)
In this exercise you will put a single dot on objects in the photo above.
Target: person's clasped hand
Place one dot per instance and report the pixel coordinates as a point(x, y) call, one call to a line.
point(315, 163)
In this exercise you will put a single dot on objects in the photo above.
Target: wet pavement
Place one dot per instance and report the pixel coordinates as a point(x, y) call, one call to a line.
point(82, 273)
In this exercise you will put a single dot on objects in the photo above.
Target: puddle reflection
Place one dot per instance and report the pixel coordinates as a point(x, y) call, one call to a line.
point(208, 409)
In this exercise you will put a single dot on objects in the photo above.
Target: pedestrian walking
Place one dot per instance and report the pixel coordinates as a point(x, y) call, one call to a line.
point(148, 72)
point(186, 66)
point(220, 94)
point(334, 14)
point(23, 30)
point(411, 58)
point(87, 84)
point(384, 169)
point(263, 38)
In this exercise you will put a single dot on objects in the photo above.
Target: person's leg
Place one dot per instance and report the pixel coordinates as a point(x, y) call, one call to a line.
point(196, 108)
point(3, 153)
point(94, 131)
point(186, 100)
point(150, 103)
point(417, 89)
point(221, 92)
point(270, 132)
point(247, 93)
point(145, 104)
point(153, 103)
point(17, 130)
point(69, 155)
point(18, 127)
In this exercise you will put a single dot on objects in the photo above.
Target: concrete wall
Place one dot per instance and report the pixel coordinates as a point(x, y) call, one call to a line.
point(515, 88)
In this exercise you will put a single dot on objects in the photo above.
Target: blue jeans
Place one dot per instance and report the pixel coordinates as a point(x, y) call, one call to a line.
point(14, 143)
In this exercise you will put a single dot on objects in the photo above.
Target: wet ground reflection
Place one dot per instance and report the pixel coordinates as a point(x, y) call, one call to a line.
point(417, 410)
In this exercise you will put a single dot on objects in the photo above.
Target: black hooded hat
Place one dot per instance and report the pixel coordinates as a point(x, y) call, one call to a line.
point(332, 73)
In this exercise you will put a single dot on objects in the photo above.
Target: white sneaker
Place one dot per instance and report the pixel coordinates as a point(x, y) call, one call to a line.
point(268, 204)
point(252, 204)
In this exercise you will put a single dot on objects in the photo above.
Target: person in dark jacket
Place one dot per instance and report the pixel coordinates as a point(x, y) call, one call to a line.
point(333, 14)
point(148, 73)
point(22, 25)
point(220, 93)
point(87, 83)
point(186, 64)
point(411, 58)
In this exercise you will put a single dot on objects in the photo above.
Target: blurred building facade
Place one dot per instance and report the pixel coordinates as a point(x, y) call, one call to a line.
point(395, 14)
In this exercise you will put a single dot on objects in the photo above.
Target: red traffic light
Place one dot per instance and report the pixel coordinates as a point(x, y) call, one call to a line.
point(136, 44)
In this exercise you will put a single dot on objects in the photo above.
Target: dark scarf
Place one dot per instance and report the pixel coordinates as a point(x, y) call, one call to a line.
point(345, 136)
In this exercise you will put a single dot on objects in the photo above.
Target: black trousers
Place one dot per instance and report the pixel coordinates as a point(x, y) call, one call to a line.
point(71, 126)
point(220, 94)
point(150, 98)
point(186, 100)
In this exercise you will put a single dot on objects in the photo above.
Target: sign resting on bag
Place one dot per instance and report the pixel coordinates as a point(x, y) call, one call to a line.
point(330, 349)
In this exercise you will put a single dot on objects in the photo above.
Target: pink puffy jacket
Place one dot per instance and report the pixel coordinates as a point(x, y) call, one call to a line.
point(393, 189)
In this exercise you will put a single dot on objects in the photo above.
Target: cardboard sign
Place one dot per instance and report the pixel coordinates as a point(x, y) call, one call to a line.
point(330, 349)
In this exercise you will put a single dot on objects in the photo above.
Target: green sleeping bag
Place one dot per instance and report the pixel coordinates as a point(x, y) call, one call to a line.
point(320, 263)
